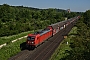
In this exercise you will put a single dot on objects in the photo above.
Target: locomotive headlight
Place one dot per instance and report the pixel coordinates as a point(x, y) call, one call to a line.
point(28, 41)
point(32, 42)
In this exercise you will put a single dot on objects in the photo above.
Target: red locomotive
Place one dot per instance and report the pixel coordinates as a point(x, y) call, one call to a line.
point(33, 40)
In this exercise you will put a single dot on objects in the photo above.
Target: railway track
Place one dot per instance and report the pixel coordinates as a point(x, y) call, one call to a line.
point(45, 50)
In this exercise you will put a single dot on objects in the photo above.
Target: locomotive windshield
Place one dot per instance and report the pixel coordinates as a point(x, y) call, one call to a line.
point(30, 38)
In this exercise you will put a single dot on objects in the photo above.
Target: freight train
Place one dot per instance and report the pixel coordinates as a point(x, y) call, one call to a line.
point(35, 39)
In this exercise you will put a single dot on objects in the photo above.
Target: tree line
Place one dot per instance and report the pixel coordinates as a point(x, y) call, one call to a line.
point(17, 19)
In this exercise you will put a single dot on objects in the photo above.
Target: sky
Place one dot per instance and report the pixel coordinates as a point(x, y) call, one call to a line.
point(73, 5)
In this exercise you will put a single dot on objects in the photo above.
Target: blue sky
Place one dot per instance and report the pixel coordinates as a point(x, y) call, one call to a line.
point(73, 5)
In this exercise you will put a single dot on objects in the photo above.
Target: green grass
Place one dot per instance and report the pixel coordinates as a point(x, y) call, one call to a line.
point(63, 48)
point(11, 49)
point(8, 39)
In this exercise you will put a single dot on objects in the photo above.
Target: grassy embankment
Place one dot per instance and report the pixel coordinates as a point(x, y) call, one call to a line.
point(8, 39)
point(61, 51)
point(12, 48)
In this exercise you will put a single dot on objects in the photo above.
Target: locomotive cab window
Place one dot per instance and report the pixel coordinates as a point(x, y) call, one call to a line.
point(46, 29)
point(31, 38)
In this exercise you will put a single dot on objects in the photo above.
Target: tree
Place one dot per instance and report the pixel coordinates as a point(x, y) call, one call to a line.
point(87, 18)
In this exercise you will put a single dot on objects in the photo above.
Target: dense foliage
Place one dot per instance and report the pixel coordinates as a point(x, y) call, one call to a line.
point(81, 43)
point(87, 18)
point(17, 19)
